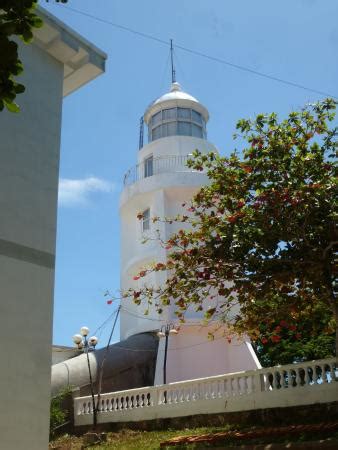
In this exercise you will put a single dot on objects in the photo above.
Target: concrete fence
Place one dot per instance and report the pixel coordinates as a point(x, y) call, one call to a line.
point(274, 387)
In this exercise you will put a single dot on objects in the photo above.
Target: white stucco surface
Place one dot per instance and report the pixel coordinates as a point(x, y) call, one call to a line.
point(29, 170)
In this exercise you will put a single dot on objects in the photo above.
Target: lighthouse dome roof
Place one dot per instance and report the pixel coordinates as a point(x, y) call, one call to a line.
point(175, 97)
point(175, 93)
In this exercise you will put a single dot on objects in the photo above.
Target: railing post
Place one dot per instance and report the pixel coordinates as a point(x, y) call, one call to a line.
point(258, 382)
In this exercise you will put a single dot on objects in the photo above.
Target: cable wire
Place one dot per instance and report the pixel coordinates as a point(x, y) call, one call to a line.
point(201, 54)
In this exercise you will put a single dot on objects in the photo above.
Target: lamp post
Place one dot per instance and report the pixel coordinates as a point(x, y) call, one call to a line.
point(164, 332)
point(87, 345)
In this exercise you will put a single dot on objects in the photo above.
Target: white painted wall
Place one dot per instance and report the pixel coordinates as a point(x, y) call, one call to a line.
point(29, 170)
point(29, 155)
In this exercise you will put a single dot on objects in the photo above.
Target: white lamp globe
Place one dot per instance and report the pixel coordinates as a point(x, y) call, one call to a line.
point(173, 331)
point(93, 341)
point(160, 334)
point(80, 345)
point(77, 338)
point(84, 331)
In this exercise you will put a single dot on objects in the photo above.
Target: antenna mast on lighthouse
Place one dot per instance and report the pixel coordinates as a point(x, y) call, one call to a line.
point(173, 71)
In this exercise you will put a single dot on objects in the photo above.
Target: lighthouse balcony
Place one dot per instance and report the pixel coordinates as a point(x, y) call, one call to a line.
point(155, 166)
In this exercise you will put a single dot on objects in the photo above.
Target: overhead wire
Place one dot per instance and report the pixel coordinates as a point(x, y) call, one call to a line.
point(201, 54)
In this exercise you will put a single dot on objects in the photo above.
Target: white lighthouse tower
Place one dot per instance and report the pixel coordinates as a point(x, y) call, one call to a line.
point(157, 186)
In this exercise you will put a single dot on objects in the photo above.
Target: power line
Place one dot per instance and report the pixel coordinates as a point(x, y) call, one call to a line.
point(201, 54)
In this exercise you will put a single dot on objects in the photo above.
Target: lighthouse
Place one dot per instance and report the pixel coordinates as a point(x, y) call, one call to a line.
point(157, 186)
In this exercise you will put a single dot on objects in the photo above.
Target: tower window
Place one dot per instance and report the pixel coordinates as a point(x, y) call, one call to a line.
point(176, 122)
point(196, 117)
point(196, 131)
point(183, 113)
point(157, 118)
point(169, 114)
point(184, 129)
point(148, 166)
point(146, 220)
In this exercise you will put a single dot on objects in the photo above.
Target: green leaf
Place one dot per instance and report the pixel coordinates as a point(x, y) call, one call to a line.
point(12, 107)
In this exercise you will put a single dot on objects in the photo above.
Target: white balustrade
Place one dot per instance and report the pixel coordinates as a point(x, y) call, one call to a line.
point(255, 389)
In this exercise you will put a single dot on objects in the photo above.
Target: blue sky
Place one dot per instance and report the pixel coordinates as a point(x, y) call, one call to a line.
point(296, 40)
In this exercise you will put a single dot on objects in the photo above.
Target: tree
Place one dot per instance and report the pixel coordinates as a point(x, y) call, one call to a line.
point(262, 235)
point(284, 341)
point(17, 18)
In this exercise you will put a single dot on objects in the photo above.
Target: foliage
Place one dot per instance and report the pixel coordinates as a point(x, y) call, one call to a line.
point(261, 237)
point(58, 415)
point(287, 341)
point(17, 18)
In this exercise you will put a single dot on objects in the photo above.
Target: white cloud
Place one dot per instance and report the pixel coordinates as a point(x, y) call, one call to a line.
point(77, 192)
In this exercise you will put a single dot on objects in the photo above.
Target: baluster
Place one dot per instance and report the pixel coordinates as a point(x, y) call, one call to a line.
point(332, 371)
point(258, 382)
point(220, 392)
point(226, 387)
point(325, 368)
point(298, 377)
point(307, 377)
point(200, 391)
point(212, 390)
point(316, 374)
point(194, 392)
point(239, 385)
point(248, 384)
point(268, 381)
point(207, 391)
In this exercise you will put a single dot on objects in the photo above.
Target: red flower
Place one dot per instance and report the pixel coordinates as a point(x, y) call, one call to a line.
point(283, 323)
point(275, 338)
point(264, 340)
point(136, 278)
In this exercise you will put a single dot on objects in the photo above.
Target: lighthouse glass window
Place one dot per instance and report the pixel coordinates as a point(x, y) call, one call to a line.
point(146, 220)
point(177, 121)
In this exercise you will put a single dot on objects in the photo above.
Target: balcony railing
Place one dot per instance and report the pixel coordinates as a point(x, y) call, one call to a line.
point(155, 166)
point(298, 384)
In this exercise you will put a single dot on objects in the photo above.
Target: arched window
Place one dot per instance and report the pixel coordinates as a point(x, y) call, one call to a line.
point(176, 122)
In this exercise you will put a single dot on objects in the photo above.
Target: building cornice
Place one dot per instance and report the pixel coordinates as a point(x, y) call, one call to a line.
point(81, 59)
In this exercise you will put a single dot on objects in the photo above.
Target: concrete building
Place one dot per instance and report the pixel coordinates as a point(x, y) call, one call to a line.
point(157, 186)
point(58, 62)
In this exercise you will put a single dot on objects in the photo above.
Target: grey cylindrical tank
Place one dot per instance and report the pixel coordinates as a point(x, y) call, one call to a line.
point(129, 364)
